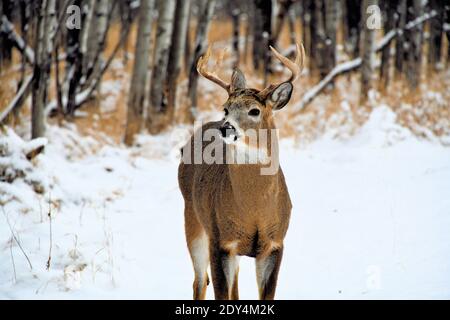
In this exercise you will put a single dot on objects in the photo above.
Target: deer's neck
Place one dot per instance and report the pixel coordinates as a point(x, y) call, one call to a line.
point(252, 184)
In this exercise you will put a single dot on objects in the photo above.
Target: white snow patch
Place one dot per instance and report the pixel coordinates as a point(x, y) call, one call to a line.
point(370, 219)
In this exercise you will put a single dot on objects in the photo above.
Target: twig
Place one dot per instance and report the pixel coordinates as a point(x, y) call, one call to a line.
point(12, 260)
point(19, 99)
point(51, 233)
point(7, 27)
point(16, 240)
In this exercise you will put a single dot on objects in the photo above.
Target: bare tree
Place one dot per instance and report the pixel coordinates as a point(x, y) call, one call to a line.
point(262, 34)
point(436, 32)
point(178, 45)
point(401, 39)
point(205, 16)
point(6, 45)
point(320, 38)
point(158, 106)
point(74, 65)
point(248, 28)
point(352, 27)
point(283, 12)
point(41, 73)
point(235, 14)
point(138, 85)
point(331, 27)
point(307, 13)
point(389, 8)
point(368, 51)
point(415, 53)
point(97, 32)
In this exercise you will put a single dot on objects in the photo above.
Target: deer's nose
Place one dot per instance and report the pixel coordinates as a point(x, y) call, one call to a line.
point(227, 129)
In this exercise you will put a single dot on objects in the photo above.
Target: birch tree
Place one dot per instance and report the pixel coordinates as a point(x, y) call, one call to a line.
point(352, 26)
point(262, 36)
point(368, 51)
point(307, 9)
point(42, 64)
point(331, 27)
point(178, 45)
point(389, 8)
point(436, 32)
point(96, 34)
point(138, 85)
point(416, 42)
point(74, 64)
point(319, 43)
point(205, 16)
point(401, 39)
point(6, 8)
point(157, 108)
point(235, 13)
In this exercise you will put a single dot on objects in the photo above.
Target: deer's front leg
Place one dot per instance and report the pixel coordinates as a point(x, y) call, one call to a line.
point(267, 268)
point(224, 268)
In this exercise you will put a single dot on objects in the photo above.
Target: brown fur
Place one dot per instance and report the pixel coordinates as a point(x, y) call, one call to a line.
point(236, 203)
point(233, 210)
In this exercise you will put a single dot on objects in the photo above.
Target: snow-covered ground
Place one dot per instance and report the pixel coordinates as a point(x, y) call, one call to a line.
point(371, 220)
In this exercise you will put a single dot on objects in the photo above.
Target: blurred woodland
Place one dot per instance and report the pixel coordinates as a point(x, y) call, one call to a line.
point(59, 59)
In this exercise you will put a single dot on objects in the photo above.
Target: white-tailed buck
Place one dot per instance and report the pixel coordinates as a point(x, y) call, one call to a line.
point(231, 209)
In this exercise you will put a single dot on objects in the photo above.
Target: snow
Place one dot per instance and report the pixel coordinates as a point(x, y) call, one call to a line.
point(370, 220)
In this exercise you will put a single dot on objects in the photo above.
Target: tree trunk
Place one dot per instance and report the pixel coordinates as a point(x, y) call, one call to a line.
point(24, 23)
point(41, 72)
point(436, 32)
point(96, 40)
point(6, 45)
point(283, 12)
point(156, 120)
point(74, 59)
point(248, 28)
point(401, 39)
point(126, 17)
point(138, 85)
point(178, 45)
point(262, 37)
point(415, 52)
point(330, 31)
point(389, 8)
point(306, 28)
point(368, 51)
point(205, 16)
point(353, 21)
point(235, 13)
point(320, 38)
point(292, 27)
point(187, 45)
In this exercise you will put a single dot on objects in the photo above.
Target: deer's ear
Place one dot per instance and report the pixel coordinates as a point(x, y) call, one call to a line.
point(280, 96)
point(237, 80)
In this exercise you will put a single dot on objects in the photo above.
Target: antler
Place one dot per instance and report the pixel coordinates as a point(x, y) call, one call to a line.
point(201, 68)
point(296, 67)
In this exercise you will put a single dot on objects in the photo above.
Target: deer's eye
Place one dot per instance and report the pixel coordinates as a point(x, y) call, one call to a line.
point(254, 112)
point(225, 111)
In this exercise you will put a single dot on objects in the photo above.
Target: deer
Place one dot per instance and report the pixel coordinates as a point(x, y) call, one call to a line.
point(232, 210)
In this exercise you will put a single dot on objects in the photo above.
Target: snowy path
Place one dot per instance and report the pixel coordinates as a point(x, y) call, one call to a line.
point(369, 221)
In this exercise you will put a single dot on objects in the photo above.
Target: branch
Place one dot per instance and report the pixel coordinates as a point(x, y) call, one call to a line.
point(7, 28)
point(87, 94)
point(19, 99)
point(348, 66)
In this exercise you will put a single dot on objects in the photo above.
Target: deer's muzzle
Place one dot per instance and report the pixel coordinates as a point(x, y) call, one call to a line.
point(228, 131)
